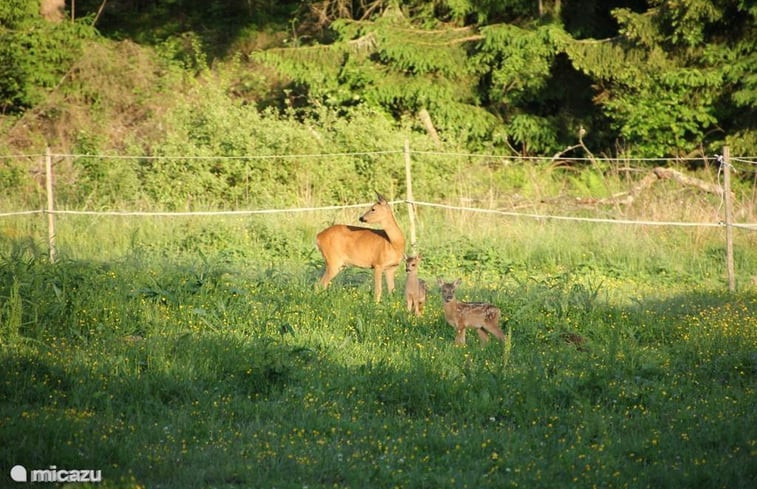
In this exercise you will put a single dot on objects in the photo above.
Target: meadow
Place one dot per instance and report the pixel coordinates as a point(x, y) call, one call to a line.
point(194, 353)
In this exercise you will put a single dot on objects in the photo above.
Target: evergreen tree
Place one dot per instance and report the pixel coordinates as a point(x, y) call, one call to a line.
point(460, 79)
point(677, 76)
point(657, 78)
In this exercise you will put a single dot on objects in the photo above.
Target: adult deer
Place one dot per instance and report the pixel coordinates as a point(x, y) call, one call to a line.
point(381, 249)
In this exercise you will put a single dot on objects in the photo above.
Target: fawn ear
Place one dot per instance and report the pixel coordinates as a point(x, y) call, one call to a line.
point(458, 282)
point(380, 198)
point(439, 281)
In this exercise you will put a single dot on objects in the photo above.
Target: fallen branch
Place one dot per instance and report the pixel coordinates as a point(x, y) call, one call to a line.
point(663, 173)
point(657, 174)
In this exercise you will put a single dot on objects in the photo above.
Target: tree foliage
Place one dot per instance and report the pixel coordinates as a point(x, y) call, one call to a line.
point(660, 81)
point(34, 53)
point(648, 77)
point(668, 81)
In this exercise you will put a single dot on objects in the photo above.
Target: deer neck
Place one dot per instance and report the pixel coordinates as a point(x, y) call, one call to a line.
point(450, 309)
point(394, 233)
point(412, 277)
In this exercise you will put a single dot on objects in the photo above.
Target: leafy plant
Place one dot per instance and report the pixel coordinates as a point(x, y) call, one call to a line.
point(35, 54)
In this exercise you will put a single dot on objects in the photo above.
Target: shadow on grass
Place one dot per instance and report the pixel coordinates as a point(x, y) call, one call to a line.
point(186, 376)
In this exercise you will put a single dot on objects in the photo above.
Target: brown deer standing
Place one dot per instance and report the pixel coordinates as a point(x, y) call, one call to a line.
point(481, 316)
point(380, 249)
point(415, 288)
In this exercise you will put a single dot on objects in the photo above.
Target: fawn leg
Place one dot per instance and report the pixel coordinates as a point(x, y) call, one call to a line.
point(494, 329)
point(482, 336)
point(460, 336)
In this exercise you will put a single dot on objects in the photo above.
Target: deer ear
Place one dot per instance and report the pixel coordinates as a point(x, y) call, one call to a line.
point(380, 198)
point(458, 282)
point(439, 281)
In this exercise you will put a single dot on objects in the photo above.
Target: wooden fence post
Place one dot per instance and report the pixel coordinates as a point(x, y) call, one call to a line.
point(409, 196)
point(50, 204)
point(726, 167)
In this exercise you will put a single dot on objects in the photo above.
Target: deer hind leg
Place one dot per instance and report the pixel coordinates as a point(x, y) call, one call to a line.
point(492, 326)
point(332, 270)
point(482, 336)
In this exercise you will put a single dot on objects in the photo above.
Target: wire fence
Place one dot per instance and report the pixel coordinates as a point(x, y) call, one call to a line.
point(750, 161)
point(746, 164)
point(299, 210)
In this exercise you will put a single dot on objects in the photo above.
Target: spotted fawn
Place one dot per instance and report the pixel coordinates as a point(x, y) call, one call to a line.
point(481, 316)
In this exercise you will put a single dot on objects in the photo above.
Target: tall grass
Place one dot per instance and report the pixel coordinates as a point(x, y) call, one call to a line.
point(196, 353)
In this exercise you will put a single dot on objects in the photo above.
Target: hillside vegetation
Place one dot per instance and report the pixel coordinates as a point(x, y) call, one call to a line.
point(641, 78)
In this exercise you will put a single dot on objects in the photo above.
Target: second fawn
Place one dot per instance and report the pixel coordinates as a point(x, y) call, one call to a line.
point(481, 316)
point(415, 288)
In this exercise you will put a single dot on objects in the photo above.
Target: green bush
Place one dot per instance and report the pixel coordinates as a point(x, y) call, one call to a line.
point(35, 54)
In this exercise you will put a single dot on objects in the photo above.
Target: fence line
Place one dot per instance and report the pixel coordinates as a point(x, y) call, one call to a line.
point(724, 166)
point(20, 213)
point(218, 157)
point(547, 217)
point(561, 158)
point(751, 160)
point(291, 210)
point(14, 156)
point(210, 213)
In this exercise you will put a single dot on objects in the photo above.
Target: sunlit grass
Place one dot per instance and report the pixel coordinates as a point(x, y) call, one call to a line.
point(199, 354)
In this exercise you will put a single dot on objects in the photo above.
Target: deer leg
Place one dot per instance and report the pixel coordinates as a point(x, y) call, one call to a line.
point(492, 326)
point(390, 278)
point(328, 275)
point(377, 283)
point(482, 336)
point(460, 337)
point(495, 330)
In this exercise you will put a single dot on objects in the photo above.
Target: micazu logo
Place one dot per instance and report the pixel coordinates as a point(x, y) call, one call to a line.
point(54, 474)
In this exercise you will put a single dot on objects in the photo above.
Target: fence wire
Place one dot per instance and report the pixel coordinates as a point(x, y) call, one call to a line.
point(546, 217)
point(295, 210)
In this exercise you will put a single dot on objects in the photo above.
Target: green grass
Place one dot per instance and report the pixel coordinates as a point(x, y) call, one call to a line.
point(193, 354)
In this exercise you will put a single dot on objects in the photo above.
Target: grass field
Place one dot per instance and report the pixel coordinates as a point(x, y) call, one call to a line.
point(193, 354)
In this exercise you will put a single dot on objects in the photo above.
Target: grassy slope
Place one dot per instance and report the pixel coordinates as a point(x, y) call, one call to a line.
point(196, 354)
